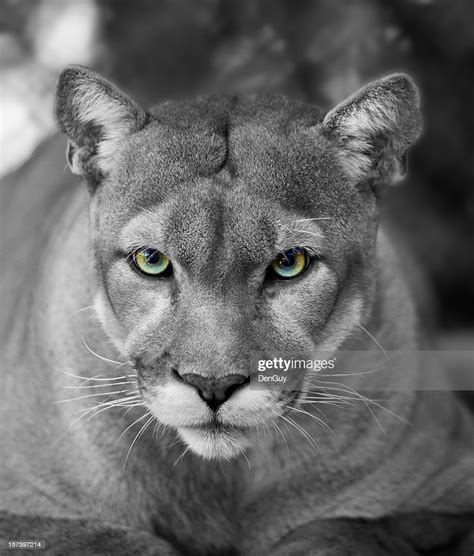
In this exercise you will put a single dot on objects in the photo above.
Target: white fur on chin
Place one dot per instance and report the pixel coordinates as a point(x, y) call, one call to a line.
point(214, 444)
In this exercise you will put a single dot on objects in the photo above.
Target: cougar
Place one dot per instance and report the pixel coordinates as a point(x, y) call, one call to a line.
point(208, 230)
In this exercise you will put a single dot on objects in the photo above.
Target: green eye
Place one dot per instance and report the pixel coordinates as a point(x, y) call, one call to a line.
point(291, 263)
point(151, 262)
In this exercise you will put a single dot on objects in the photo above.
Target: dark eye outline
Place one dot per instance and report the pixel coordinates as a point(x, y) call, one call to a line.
point(168, 271)
point(273, 275)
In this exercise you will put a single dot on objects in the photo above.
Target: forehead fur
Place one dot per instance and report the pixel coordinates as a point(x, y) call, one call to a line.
point(263, 146)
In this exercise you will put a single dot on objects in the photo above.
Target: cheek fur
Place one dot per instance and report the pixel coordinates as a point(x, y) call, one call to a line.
point(137, 300)
point(109, 322)
point(299, 311)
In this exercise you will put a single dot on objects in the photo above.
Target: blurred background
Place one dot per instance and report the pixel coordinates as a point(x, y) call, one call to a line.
point(316, 50)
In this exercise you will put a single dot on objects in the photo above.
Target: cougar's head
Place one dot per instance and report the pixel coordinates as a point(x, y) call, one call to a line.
point(226, 226)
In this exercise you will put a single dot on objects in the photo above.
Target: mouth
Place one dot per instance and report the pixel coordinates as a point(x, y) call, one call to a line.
point(216, 427)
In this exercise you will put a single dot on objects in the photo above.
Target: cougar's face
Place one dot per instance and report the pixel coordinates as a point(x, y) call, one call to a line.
point(224, 226)
point(204, 272)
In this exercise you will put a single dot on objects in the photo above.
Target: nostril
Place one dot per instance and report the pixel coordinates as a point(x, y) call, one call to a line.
point(237, 382)
point(214, 391)
point(176, 375)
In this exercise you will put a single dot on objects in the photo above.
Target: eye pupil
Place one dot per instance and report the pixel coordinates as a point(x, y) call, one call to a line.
point(287, 258)
point(152, 256)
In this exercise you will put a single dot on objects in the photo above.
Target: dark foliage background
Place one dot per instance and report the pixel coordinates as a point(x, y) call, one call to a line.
point(321, 51)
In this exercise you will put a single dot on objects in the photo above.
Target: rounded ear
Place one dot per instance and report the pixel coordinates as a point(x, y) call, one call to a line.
point(95, 116)
point(374, 128)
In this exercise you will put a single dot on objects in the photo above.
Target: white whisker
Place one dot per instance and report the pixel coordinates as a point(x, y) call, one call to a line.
point(91, 396)
point(95, 378)
point(108, 385)
point(77, 311)
point(350, 374)
point(303, 432)
point(377, 343)
point(140, 432)
point(364, 399)
point(317, 419)
point(130, 426)
point(277, 428)
point(244, 455)
point(102, 407)
point(186, 450)
point(308, 232)
point(101, 357)
point(124, 401)
point(313, 219)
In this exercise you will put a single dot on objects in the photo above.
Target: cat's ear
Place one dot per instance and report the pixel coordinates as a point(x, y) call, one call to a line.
point(374, 128)
point(96, 117)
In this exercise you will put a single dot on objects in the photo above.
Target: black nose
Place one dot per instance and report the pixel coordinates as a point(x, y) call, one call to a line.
point(215, 391)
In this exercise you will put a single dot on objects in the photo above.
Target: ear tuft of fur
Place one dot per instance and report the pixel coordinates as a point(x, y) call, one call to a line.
point(96, 117)
point(374, 128)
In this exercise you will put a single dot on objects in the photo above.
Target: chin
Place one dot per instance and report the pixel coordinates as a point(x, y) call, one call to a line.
point(215, 443)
